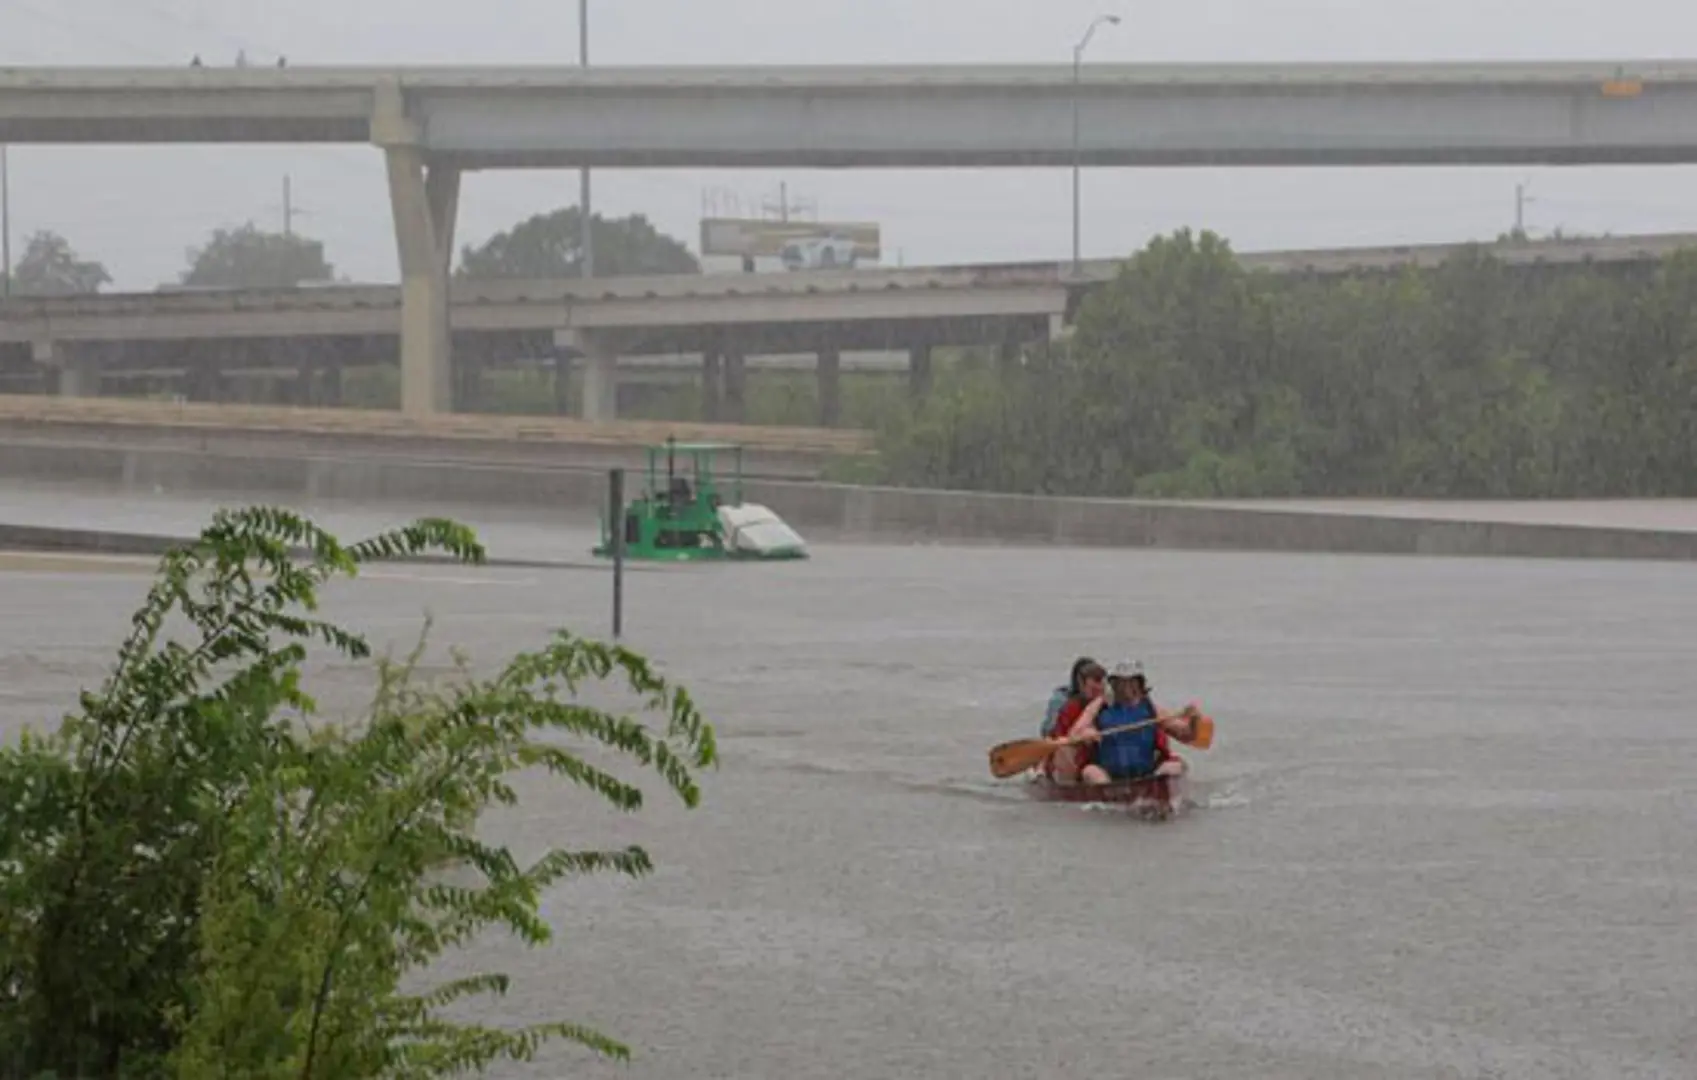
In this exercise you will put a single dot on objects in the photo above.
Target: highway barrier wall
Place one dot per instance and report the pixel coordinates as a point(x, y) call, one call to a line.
point(541, 441)
point(830, 511)
point(59, 540)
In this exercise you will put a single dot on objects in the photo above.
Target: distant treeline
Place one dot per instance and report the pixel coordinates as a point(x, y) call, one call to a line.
point(1190, 376)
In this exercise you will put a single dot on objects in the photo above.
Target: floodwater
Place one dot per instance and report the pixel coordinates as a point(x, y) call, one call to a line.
point(1449, 828)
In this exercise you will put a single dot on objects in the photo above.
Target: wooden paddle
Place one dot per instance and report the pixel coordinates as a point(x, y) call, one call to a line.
point(1021, 755)
point(1201, 729)
point(1013, 758)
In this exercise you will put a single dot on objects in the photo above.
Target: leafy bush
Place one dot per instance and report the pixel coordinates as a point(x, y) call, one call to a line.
point(200, 878)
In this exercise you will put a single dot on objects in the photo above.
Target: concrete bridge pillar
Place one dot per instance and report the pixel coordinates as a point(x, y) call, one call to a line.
point(562, 384)
point(425, 201)
point(735, 408)
point(600, 385)
point(712, 385)
point(71, 371)
point(330, 391)
point(830, 387)
point(919, 370)
point(565, 350)
point(1009, 355)
point(600, 372)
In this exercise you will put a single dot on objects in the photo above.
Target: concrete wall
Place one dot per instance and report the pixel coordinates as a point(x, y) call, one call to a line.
point(82, 541)
point(827, 511)
point(72, 439)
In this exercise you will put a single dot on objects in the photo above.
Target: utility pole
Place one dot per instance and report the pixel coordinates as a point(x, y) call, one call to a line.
point(291, 209)
point(784, 208)
point(1520, 201)
point(5, 222)
point(586, 240)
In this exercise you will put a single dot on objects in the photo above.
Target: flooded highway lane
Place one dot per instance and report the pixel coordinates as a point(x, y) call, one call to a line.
point(1449, 828)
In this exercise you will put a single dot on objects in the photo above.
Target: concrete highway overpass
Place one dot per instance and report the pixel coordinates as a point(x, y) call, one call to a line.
point(434, 123)
point(720, 322)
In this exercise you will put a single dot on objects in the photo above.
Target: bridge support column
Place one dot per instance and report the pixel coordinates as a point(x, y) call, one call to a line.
point(425, 200)
point(562, 385)
point(600, 384)
point(830, 387)
point(712, 385)
point(1008, 356)
point(71, 372)
point(330, 393)
point(600, 372)
point(919, 370)
point(736, 386)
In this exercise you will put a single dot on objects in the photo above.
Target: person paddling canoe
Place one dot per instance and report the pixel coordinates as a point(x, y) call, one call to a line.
point(1072, 761)
point(1065, 695)
point(1124, 755)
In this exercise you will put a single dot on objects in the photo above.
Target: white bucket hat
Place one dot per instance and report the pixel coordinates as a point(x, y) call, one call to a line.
point(1128, 669)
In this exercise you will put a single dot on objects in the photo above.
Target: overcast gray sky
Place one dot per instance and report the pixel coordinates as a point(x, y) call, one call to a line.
point(140, 209)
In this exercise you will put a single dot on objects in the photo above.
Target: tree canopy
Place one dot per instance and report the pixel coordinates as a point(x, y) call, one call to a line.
point(49, 266)
point(201, 878)
point(248, 257)
point(1191, 376)
point(549, 246)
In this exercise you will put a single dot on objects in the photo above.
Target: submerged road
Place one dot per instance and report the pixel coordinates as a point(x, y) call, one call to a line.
point(1449, 829)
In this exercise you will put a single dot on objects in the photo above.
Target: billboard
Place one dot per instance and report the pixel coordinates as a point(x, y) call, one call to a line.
point(800, 244)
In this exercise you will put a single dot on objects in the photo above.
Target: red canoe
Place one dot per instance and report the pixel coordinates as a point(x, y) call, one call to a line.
point(1157, 796)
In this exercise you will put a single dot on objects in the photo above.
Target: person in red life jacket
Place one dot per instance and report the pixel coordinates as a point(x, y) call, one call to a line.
point(1128, 754)
point(1063, 694)
point(1072, 760)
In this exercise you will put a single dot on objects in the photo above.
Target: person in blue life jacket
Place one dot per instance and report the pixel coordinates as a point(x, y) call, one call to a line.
point(1063, 694)
point(1144, 751)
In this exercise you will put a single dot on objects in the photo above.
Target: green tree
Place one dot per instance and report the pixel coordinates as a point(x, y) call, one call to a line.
point(199, 878)
point(49, 266)
point(549, 246)
point(1187, 376)
point(251, 258)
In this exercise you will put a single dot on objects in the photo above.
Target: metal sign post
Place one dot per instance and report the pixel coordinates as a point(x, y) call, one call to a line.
point(616, 523)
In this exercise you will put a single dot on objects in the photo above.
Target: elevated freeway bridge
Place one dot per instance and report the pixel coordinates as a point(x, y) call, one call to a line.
point(719, 324)
point(434, 124)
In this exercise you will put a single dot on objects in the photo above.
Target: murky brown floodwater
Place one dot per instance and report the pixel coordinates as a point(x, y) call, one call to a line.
point(1449, 830)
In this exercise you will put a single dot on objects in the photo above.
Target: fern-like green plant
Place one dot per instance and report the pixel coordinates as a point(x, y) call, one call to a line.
point(199, 879)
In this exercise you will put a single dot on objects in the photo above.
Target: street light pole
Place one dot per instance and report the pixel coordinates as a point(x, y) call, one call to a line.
point(1077, 154)
point(586, 239)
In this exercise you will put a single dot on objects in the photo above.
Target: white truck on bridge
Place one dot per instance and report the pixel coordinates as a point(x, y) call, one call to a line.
point(829, 252)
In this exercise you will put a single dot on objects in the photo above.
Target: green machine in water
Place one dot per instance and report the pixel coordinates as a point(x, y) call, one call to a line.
point(682, 514)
